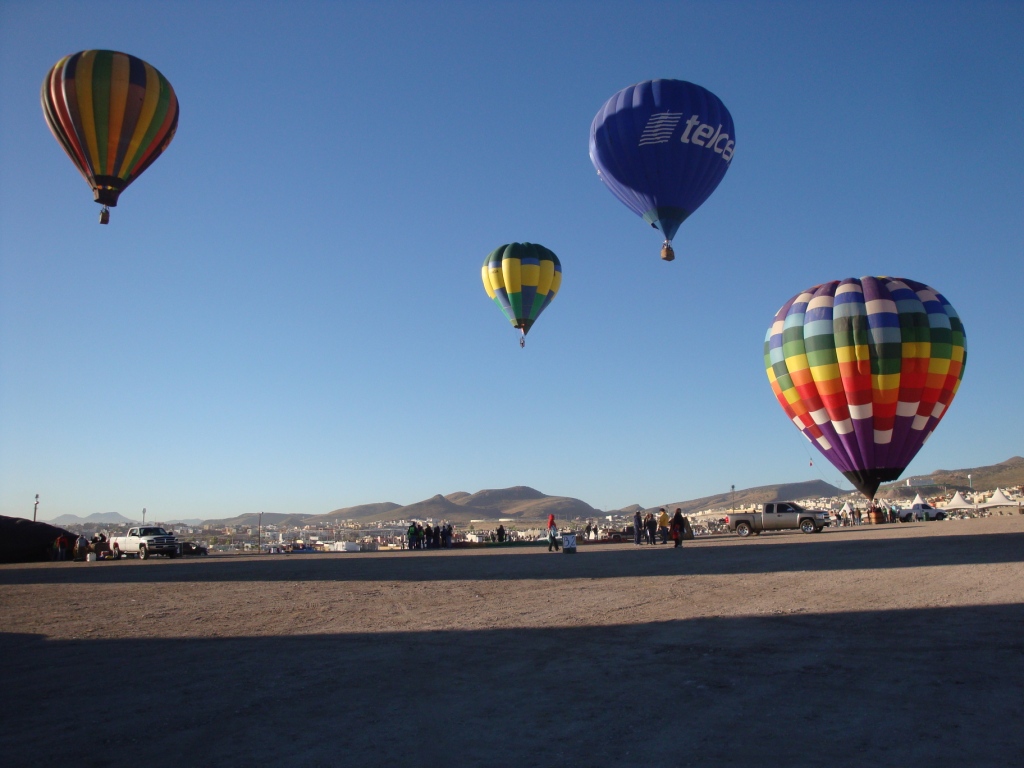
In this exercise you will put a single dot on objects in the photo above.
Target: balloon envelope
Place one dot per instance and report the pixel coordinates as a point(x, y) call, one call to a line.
point(112, 113)
point(866, 368)
point(522, 279)
point(661, 147)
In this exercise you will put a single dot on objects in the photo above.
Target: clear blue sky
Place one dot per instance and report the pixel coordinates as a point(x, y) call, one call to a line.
point(285, 313)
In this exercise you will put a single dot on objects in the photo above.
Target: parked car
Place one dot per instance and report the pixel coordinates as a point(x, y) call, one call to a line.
point(921, 512)
point(191, 548)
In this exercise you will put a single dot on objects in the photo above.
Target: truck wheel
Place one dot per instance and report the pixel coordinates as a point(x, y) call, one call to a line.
point(817, 528)
point(143, 553)
point(807, 526)
point(743, 529)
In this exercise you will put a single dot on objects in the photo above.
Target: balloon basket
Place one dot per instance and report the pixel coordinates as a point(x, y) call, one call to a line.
point(667, 254)
point(105, 215)
point(876, 516)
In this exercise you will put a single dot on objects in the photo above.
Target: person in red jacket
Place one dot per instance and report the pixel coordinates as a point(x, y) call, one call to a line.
point(552, 533)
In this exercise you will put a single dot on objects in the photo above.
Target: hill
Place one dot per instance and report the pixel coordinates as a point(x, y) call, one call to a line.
point(502, 497)
point(440, 508)
point(377, 511)
point(252, 520)
point(1002, 475)
point(114, 518)
point(521, 502)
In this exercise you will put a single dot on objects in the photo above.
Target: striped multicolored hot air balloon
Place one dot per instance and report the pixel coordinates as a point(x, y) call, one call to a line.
point(113, 114)
point(866, 369)
point(522, 279)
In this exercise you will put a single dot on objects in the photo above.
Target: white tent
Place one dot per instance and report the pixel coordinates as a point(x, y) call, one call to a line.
point(958, 502)
point(918, 502)
point(999, 499)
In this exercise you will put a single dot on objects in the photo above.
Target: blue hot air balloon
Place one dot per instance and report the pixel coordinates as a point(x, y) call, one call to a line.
point(661, 147)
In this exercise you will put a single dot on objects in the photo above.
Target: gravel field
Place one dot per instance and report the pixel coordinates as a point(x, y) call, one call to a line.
point(897, 645)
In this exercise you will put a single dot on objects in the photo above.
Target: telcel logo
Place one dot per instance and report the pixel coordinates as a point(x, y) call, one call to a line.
point(662, 125)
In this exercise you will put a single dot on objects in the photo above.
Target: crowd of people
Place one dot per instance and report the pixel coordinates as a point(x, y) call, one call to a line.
point(430, 537)
point(648, 529)
point(80, 547)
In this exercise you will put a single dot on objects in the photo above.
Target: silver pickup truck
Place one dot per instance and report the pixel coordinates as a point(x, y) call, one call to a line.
point(778, 516)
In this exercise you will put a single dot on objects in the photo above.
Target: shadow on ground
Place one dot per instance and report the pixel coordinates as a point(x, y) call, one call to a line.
point(935, 687)
point(817, 553)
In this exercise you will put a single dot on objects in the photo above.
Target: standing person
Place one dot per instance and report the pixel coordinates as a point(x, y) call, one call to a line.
point(586, 531)
point(651, 529)
point(61, 545)
point(663, 521)
point(677, 528)
point(552, 533)
point(638, 527)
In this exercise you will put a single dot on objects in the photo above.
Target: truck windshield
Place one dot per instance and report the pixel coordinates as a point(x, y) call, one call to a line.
point(152, 532)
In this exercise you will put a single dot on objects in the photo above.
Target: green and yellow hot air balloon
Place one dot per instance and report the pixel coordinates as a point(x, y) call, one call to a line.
point(522, 279)
point(113, 113)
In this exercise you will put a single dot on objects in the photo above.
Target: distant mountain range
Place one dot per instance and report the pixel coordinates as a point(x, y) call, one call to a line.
point(1006, 474)
point(528, 504)
point(114, 518)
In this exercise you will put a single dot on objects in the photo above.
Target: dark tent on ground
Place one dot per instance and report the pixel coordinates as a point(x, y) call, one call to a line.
point(23, 541)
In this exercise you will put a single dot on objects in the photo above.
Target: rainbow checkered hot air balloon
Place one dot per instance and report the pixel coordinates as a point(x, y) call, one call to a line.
point(522, 279)
point(866, 369)
point(113, 114)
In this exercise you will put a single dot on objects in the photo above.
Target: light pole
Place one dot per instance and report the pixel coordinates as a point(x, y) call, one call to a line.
point(35, 508)
point(259, 550)
point(732, 495)
point(143, 515)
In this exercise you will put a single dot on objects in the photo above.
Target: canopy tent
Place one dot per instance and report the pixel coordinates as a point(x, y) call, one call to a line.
point(919, 503)
point(999, 499)
point(958, 502)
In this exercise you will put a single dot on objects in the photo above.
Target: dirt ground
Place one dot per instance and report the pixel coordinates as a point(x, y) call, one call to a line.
point(896, 645)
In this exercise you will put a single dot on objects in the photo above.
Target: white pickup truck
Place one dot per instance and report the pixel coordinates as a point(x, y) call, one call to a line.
point(144, 541)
